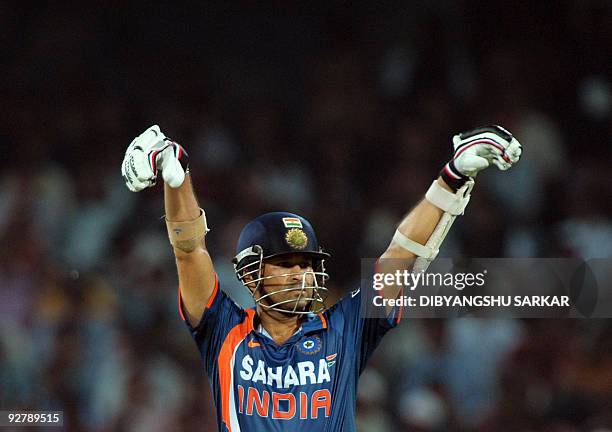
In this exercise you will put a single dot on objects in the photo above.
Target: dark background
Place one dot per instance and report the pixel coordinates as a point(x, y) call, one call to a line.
point(340, 111)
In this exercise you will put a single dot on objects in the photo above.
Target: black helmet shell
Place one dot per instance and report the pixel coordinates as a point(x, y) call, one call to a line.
point(279, 233)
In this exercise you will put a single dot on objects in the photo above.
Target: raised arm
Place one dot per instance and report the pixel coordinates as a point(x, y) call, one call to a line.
point(421, 232)
point(194, 265)
point(148, 154)
point(417, 225)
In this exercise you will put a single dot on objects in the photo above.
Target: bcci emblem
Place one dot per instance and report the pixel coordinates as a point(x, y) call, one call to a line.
point(296, 238)
point(310, 346)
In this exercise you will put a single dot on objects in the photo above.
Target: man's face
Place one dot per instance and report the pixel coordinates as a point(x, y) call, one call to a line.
point(284, 273)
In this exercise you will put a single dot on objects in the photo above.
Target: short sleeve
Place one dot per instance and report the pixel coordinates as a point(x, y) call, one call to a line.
point(364, 333)
point(219, 317)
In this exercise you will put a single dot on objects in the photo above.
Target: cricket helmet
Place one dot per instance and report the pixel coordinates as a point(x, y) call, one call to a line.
point(278, 234)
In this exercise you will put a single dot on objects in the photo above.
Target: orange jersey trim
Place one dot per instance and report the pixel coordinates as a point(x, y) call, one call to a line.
point(180, 304)
point(210, 300)
point(214, 293)
point(234, 338)
point(323, 320)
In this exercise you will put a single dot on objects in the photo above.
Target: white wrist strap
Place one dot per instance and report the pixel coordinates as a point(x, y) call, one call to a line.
point(452, 203)
point(416, 248)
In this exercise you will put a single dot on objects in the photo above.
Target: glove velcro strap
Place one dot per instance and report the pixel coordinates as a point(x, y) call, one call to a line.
point(452, 203)
point(414, 247)
point(187, 234)
point(451, 175)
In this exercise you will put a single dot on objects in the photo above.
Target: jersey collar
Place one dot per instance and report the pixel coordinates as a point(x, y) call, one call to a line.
point(311, 322)
point(314, 322)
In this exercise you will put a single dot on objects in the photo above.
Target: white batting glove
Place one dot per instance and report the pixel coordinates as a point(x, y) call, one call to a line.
point(147, 154)
point(478, 149)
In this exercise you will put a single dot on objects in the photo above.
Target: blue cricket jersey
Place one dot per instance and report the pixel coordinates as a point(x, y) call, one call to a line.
point(307, 384)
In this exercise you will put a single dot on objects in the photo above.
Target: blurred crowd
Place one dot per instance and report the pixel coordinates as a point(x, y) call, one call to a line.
point(341, 112)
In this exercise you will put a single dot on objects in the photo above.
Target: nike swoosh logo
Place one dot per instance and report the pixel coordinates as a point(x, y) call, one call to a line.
point(252, 344)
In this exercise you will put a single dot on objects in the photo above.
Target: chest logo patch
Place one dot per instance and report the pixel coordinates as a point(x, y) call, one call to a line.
point(310, 346)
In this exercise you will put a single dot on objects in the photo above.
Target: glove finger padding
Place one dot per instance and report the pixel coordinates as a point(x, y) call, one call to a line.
point(505, 160)
point(501, 164)
point(478, 149)
point(136, 170)
point(490, 142)
point(173, 163)
point(471, 164)
point(137, 185)
point(171, 169)
point(514, 150)
point(150, 152)
point(150, 138)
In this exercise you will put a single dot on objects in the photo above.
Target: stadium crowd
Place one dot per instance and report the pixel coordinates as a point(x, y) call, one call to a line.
point(342, 113)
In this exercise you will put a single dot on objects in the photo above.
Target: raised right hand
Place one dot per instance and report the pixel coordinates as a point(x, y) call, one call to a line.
point(150, 152)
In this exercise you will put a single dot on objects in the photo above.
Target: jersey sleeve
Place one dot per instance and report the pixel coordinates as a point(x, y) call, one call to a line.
point(219, 317)
point(364, 333)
